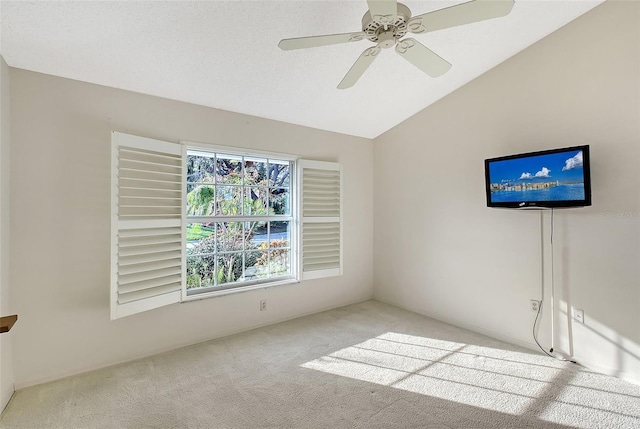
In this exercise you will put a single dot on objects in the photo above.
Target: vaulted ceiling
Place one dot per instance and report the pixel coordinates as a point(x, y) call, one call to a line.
point(224, 54)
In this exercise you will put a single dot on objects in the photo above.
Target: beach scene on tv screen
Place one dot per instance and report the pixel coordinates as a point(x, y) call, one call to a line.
point(549, 177)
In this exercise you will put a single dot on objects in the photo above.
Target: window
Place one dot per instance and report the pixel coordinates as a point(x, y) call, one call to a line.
point(240, 228)
point(188, 221)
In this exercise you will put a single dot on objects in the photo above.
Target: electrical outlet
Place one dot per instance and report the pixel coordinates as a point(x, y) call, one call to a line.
point(578, 315)
point(263, 305)
point(535, 305)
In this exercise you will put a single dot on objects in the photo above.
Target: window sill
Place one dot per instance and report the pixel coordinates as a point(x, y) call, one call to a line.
point(238, 289)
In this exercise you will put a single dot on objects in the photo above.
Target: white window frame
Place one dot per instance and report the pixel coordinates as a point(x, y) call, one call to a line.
point(148, 222)
point(294, 277)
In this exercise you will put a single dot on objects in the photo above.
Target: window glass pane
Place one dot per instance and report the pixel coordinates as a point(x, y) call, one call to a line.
point(228, 169)
point(230, 236)
point(256, 235)
point(200, 270)
point(255, 201)
point(229, 200)
point(262, 263)
point(200, 167)
point(253, 269)
point(279, 263)
point(197, 236)
point(255, 171)
point(200, 200)
point(201, 245)
point(279, 201)
point(279, 173)
point(280, 234)
point(229, 268)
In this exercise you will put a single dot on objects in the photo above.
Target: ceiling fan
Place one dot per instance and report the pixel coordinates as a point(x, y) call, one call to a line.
point(387, 22)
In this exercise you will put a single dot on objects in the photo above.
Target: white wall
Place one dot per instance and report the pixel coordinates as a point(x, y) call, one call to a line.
point(6, 347)
point(60, 225)
point(441, 252)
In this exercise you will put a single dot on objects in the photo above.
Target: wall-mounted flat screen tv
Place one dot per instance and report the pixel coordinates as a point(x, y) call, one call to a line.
point(546, 179)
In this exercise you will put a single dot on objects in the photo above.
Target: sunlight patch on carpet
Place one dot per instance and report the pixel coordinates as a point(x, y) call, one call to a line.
point(582, 400)
point(495, 379)
point(478, 376)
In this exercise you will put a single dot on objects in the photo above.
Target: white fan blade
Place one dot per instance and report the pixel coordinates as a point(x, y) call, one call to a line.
point(315, 41)
point(465, 13)
point(422, 57)
point(383, 11)
point(358, 68)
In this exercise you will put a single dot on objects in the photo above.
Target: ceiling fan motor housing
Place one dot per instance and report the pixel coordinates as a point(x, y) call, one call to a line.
point(386, 30)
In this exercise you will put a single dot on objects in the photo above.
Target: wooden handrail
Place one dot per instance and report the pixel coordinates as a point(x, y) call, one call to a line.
point(7, 322)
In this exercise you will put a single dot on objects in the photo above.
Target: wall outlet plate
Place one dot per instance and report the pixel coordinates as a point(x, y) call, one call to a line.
point(535, 305)
point(578, 315)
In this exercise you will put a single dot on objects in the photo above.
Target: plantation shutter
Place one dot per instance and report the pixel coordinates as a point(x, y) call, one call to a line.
point(146, 221)
point(321, 192)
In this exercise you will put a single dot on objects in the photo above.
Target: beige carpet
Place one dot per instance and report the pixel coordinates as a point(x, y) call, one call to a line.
point(368, 365)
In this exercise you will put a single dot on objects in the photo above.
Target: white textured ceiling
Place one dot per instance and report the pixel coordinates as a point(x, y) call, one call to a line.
point(224, 54)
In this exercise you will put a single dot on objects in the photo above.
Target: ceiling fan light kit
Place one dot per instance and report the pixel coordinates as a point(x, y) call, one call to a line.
point(387, 22)
point(393, 25)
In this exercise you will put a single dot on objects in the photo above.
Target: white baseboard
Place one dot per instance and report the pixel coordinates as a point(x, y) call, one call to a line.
point(6, 397)
point(614, 372)
point(473, 328)
point(223, 334)
point(631, 378)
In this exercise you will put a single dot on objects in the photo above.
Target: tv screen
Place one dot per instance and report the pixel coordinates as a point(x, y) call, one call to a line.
point(546, 179)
